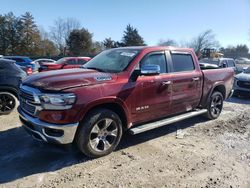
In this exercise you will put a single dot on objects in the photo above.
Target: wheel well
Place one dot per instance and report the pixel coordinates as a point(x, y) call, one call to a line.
point(10, 91)
point(221, 89)
point(115, 108)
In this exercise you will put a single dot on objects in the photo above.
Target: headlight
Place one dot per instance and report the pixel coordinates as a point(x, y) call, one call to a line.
point(57, 101)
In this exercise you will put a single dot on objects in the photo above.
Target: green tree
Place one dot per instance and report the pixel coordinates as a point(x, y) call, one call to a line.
point(109, 43)
point(30, 35)
point(61, 30)
point(131, 37)
point(80, 42)
point(10, 34)
point(97, 47)
point(47, 48)
point(3, 33)
point(240, 50)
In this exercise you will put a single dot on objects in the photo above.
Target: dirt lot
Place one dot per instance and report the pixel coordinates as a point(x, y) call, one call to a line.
point(205, 154)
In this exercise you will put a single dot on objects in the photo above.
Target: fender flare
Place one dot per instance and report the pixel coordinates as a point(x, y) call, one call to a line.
point(219, 83)
point(10, 89)
point(103, 102)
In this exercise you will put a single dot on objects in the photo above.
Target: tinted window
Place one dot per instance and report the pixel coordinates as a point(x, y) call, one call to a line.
point(182, 62)
point(81, 61)
point(155, 59)
point(223, 63)
point(71, 62)
point(230, 63)
point(19, 60)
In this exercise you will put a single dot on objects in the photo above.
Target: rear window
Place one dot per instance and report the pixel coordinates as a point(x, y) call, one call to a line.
point(182, 62)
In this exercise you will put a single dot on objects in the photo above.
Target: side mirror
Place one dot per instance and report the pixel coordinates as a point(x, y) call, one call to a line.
point(224, 65)
point(150, 70)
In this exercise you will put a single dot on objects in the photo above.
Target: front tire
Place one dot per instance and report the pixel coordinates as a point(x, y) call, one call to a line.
point(8, 103)
point(100, 133)
point(215, 105)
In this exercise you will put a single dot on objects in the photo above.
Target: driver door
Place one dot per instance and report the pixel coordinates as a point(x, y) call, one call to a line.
point(152, 92)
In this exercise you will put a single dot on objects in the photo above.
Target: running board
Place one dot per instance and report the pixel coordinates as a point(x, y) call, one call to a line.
point(167, 121)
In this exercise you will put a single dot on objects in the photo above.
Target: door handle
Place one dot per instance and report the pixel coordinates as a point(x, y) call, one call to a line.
point(196, 79)
point(165, 83)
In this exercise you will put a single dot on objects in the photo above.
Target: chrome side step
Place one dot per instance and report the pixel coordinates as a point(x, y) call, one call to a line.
point(167, 121)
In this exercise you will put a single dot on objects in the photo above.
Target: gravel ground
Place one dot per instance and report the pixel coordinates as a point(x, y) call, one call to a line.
point(192, 153)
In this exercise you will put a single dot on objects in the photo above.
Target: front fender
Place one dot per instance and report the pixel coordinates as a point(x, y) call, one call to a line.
point(105, 101)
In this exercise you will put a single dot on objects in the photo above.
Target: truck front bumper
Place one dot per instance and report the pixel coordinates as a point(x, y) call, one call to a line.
point(51, 133)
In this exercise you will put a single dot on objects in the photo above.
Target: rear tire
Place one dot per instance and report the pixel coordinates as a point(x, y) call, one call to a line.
point(215, 105)
point(8, 103)
point(100, 133)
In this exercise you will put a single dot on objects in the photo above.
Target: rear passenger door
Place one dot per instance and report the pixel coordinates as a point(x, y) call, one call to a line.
point(186, 82)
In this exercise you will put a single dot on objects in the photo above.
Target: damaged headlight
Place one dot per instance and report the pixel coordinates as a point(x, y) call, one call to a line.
point(57, 101)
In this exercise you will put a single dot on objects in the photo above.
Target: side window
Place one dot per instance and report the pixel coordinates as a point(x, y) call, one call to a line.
point(230, 63)
point(71, 62)
point(182, 62)
point(224, 64)
point(155, 59)
point(19, 60)
point(81, 61)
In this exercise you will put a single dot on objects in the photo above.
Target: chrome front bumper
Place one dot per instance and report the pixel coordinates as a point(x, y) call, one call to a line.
point(51, 133)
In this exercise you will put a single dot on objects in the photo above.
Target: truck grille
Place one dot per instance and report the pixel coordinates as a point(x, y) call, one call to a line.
point(243, 84)
point(26, 95)
point(27, 101)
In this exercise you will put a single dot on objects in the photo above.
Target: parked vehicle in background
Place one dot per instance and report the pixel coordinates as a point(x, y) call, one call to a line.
point(64, 63)
point(131, 88)
point(242, 60)
point(223, 63)
point(10, 78)
point(23, 61)
point(28, 69)
point(242, 83)
point(39, 62)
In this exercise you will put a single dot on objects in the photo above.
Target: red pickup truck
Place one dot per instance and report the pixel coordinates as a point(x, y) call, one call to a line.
point(64, 63)
point(131, 89)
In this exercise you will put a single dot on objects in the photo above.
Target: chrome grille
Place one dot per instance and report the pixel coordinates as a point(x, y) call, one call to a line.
point(28, 101)
point(26, 95)
point(27, 107)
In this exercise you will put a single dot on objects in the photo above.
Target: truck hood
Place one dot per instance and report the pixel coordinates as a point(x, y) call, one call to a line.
point(243, 77)
point(68, 78)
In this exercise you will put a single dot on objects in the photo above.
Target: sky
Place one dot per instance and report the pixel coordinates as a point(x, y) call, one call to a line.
point(180, 20)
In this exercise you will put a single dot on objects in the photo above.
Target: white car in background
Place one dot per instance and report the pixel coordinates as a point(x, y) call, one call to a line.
point(242, 60)
point(39, 62)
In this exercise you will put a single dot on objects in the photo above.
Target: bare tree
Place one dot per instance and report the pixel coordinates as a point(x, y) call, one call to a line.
point(61, 31)
point(205, 39)
point(168, 42)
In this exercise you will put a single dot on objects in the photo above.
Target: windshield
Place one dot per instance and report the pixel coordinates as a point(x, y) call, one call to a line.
point(60, 61)
point(247, 71)
point(114, 60)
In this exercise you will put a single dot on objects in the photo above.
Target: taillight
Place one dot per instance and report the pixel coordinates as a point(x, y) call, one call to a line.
point(29, 70)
